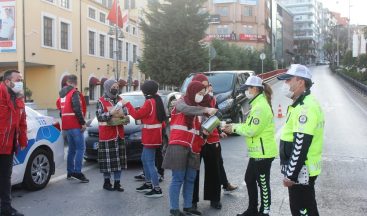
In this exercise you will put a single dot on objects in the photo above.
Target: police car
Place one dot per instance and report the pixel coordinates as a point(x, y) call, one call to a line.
point(34, 165)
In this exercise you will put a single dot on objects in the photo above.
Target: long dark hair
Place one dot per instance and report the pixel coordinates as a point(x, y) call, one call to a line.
point(267, 92)
point(161, 112)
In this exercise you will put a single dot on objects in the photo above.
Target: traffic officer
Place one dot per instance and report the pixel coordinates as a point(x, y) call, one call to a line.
point(301, 141)
point(259, 131)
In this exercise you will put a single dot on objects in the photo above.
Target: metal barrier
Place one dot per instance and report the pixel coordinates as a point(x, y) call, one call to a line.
point(271, 74)
point(360, 86)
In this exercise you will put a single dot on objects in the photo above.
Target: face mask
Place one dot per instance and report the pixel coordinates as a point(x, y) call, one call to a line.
point(210, 94)
point(114, 91)
point(18, 87)
point(249, 95)
point(198, 98)
point(286, 90)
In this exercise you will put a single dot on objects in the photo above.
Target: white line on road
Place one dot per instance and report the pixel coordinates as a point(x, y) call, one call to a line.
point(63, 176)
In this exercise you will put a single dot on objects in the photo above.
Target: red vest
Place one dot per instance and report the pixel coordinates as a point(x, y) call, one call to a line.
point(181, 135)
point(68, 118)
point(214, 136)
point(152, 129)
point(108, 133)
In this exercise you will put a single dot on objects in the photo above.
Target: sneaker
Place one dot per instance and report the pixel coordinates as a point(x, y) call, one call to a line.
point(154, 193)
point(68, 176)
point(161, 178)
point(140, 177)
point(176, 212)
point(191, 211)
point(216, 204)
point(144, 188)
point(80, 176)
point(195, 205)
point(107, 185)
point(230, 188)
point(117, 186)
point(10, 212)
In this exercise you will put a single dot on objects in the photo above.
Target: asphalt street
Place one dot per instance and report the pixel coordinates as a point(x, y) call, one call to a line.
point(340, 189)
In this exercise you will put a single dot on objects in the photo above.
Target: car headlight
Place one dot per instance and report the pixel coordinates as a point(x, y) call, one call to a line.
point(135, 136)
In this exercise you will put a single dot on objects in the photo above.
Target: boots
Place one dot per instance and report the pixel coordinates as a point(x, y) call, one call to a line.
point(107, 185)
point(117, 187)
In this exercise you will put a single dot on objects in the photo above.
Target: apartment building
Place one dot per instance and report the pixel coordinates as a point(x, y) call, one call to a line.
point(55, 38)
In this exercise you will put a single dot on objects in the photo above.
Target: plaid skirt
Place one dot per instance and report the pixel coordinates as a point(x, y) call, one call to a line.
point(112, 155)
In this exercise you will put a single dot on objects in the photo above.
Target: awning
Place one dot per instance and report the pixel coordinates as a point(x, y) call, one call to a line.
point(63, 81)
point(103, 80)
point(136, 83)
point(122, 83)
point(94, 81)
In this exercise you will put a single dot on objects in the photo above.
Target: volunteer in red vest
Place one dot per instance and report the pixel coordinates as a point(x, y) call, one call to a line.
point(13, 134)
point(111, 147)
point(72, 105)
point(152, 114)
point(183, 152)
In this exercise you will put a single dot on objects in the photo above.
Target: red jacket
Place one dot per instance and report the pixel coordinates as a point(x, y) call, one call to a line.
point(180, 135)
point(68, 117)
point(108, 133)
point(152, 128)
point(214, 136)
point(13, 123)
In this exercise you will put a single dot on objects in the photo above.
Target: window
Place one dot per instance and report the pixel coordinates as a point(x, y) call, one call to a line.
point(248, 11)
point(92, 40)
point(223, 11)
point(65, 4)
point(48, 31)
point(222, 30)
point(51, 1)
point(247, 29)
point(135, 56)
point(127, 52)
point(119, 49)
point(134, 31)
point(91, 13)
point(102, 41)
point(65, 36)
point(111, 47)
point(102, 17)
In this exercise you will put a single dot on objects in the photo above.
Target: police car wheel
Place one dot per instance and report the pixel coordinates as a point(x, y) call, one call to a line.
point(38, 171)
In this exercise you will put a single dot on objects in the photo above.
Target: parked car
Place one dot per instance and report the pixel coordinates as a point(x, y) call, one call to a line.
point(232, 103)
point(34, 165)
point(132, 130)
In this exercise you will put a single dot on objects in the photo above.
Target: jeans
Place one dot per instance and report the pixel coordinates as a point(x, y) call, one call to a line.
point(116, 175)
point(76, 150)
point(6, 167)
point(179, 178)
point(148, 160)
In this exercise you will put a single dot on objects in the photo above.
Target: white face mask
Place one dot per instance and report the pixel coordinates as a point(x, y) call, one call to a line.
point(210, 94)
point(198, 98)
point(249, 95)
point(18, 87)
point(286, 90)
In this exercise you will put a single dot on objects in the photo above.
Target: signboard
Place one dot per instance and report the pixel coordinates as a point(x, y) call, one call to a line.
point(214, 18)
point(252, 37)
point(218, 36)
point(7, 26)
point(248, 2)
point(262, 56)
point(224, 1)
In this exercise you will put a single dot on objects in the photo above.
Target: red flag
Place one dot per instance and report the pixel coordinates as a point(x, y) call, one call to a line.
point(115, 15)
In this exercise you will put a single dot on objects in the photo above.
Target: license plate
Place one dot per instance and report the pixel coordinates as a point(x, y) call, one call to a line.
point(95, 145)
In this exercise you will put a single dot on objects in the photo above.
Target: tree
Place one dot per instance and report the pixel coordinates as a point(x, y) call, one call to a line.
point(172, 31)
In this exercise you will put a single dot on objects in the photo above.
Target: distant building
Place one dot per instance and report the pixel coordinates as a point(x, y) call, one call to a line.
point(359, 41)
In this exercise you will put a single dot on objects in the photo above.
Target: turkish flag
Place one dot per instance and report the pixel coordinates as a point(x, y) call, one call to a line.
point(115, 15)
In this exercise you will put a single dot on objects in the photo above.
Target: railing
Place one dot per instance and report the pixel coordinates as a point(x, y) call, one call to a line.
point(360, 86)
point(272, 74)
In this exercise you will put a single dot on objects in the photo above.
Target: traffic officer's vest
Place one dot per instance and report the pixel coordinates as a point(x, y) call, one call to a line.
point(108, 133)
point(68, 118)
point(259, 129)
point(152, 128)
point(181, 135)
point(214, 136)
point(306, 117)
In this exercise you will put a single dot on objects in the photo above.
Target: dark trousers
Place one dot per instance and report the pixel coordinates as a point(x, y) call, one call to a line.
point(258, 175)
point(6, 168)
point(159, 160)
point(302, 199)
point(212, 182)
point(223, 175)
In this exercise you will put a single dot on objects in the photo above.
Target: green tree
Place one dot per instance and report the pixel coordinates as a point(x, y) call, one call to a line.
point(348, 59)
point(172, 31)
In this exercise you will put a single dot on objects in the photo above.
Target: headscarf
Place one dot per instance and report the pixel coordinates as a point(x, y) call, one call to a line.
point(207, 99)
point(107, 85)
point(192, 89)
point(150, 89)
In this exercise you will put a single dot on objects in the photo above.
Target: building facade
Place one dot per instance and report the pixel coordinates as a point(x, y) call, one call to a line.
point(55, 38)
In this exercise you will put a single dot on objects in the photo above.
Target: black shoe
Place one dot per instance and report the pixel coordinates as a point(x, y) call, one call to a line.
point(80, 176)
point(10, 212)
point(195, 205)
point(154, 193)
point(68, 176)
point(176, 212)
point(161, 178)
point(191, 211)
point(262, 214)
point(107, 185)
point(140, 177)
point(249, 213)
point(144, 188)
point(216, 204)
point(117, 186)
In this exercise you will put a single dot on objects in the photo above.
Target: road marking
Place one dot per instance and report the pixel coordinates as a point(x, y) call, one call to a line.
point(63, 176)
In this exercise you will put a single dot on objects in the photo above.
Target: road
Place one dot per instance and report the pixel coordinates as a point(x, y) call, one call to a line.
point(340, 189)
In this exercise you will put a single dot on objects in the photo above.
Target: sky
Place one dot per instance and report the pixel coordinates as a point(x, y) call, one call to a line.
point(357, 10)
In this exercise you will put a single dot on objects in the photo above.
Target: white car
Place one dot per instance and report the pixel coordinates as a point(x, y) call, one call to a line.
point(34, 165)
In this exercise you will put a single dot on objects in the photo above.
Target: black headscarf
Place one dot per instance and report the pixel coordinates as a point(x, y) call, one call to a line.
point(150, 89)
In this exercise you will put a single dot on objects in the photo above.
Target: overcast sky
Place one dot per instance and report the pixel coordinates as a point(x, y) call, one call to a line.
point(358, 10)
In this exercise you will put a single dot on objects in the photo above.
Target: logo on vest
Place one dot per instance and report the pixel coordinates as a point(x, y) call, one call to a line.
point(256, 121)
point(302, 119)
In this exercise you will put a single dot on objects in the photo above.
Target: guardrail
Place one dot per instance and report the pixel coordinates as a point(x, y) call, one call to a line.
point(360, 86)
point(271, 74)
